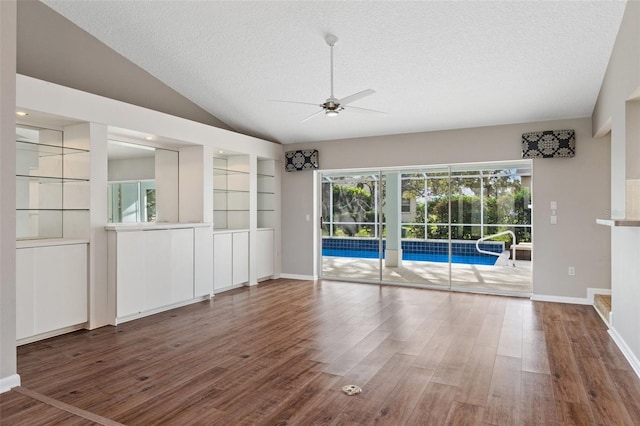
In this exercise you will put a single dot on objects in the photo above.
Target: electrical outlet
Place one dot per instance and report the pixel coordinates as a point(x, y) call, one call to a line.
point(572, 270)
point(554, 205)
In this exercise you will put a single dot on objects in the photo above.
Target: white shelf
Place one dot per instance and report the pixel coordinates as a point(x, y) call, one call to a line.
point(150, 226)
point(619, 222)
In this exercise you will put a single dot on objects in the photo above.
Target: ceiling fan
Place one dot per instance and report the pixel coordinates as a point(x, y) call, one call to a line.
point(333, 106)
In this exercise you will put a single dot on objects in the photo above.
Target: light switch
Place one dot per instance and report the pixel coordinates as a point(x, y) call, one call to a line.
point(308, 217)
point(554, 220)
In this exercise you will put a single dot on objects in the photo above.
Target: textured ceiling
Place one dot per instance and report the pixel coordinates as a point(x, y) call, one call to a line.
point(434, 65)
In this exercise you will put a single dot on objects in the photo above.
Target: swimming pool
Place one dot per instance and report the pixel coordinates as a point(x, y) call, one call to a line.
point(480, 259)
point(430, 250)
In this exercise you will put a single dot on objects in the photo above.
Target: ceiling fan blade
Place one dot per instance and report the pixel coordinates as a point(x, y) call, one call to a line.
point(356, 96)
point(292, 102)
point(312, 115)
point(368, 110)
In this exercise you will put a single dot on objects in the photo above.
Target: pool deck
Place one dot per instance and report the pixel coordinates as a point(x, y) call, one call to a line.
point(489, 278)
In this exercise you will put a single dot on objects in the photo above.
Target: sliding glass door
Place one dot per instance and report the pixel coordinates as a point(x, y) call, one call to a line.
point(352, 229)
point(466, 227)
point(425, 227)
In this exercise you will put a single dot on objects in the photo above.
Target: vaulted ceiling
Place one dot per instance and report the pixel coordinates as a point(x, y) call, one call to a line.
point(434, 65)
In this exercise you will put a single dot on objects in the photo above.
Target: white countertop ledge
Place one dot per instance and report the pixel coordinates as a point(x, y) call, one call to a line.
point(48, 242)
point(129, 227)
point(618, 222)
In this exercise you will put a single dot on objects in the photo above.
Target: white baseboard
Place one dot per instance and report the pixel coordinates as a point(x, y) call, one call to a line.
point(132, 317)
point(591, 292)
point(626, 351)
point(53, 333)
point(560, 299)
point(298, 277)
point(8, 383)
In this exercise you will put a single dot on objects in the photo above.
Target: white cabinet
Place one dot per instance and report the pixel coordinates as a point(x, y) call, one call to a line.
point(222, 261)
point(203, 266)
point(51, 288)
point(265, 246)
point(230, 259)
point(130, 279)
point(154, 269)
point(240, 258)
point(157, 268)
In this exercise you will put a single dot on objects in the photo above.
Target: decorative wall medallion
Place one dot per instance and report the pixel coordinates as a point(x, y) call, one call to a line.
point(549, 144)
point(301, 160)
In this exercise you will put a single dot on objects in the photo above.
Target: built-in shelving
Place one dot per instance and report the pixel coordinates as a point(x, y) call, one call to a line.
point(231, 179)
point(52, 184)
point(266, 193)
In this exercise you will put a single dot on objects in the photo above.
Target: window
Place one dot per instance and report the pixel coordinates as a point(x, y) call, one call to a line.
point(132, 202)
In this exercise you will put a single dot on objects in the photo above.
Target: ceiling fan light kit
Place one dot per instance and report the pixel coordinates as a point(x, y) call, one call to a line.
point(333, 106)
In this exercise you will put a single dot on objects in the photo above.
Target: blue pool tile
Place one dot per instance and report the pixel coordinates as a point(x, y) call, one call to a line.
point(428, 251)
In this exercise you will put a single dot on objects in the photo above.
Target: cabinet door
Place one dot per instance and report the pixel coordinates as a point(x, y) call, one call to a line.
point(25, 293)
point(181, 264)
point(60, 287)
point(264, 262)
point(157, 265)
point(203, 262)
point(240, 257)
point(222, 268)
point(130, 273)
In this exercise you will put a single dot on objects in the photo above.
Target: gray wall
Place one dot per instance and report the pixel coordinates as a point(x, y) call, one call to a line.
point(579, 185)
point(52, 48)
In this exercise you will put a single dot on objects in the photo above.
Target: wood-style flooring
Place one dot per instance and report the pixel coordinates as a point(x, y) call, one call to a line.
point(280, 353)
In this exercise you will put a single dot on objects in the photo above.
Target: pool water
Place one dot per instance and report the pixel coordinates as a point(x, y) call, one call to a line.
point(480, 259)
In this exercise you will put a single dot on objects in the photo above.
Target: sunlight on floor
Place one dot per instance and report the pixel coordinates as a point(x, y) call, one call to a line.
point(482, 277)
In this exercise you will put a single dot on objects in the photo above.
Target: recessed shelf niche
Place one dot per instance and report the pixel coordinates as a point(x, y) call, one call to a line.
point(231, 192)
point(52, 184)
point(266, 193)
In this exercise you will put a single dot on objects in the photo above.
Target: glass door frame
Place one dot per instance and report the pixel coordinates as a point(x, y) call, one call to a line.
point(380, 171)
point(378, 224)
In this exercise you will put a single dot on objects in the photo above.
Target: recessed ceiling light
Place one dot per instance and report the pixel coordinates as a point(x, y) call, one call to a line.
point(149, 138)
point(220, 152)
point(21, 113)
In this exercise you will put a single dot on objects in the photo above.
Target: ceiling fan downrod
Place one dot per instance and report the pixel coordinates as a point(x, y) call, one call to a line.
point(331, 106)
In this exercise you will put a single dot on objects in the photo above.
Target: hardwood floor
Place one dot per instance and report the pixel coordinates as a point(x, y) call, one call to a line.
point(280, 353)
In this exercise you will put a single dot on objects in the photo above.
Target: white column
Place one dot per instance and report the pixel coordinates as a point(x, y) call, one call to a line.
point(167, 198)
point(93, 136)
point(253, 218)
point(393, 215)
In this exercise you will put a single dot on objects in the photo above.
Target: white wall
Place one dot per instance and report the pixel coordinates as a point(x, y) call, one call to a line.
point(140, 168)
point(621, 84)
point(8, 367)
point(579, 185)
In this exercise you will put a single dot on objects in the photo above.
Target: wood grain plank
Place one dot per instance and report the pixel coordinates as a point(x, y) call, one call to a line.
point(476, 378)
point(264, 355)
point(537, 405)
point(403, 398)
point(464, 414)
